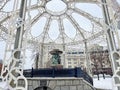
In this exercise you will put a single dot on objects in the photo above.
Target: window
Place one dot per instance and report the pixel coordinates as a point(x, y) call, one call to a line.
point(69, 66)
point(75, 62)
point(68, 53)
point(74, 52)
point(74, 59)
point(81, 63)
point(69, 62)
point(69, 59)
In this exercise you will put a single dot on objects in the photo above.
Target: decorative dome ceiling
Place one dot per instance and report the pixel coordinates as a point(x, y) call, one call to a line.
point(58, 21)
point(63, 22)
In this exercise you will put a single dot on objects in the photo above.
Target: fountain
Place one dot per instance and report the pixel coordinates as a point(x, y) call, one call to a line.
point(56, 60)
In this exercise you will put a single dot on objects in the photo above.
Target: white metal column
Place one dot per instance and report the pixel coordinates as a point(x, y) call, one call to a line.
point(114, 54)
point(12, 72)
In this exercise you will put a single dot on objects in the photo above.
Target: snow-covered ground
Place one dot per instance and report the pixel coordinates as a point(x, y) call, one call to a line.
point(3, 86)
point(102, 83)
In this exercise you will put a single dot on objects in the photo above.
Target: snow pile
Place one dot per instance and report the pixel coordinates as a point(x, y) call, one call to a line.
point(105, 84)
point(3, 86)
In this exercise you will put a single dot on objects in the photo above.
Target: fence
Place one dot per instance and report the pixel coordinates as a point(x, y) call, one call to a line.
point(53, 72)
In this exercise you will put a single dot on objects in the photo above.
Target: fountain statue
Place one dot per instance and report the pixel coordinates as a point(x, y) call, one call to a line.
point(56, 60)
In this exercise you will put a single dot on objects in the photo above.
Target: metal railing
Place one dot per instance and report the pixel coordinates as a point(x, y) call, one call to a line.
point(53, 72)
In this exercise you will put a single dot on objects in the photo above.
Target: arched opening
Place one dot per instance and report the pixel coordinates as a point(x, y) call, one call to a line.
point(43, 88)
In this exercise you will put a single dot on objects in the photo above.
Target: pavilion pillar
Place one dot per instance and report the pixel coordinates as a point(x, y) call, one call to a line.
point(114, 54)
